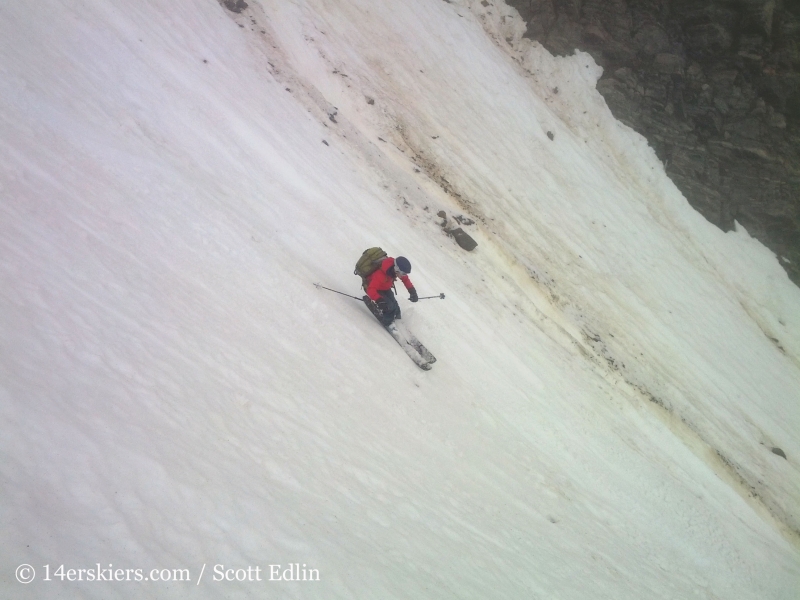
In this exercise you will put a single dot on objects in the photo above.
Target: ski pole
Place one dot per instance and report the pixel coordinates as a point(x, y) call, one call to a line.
point(440, 296)
point(342, 293)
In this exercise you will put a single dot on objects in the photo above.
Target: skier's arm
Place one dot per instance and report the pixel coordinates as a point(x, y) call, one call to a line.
point(372, 288)
point(410, 287)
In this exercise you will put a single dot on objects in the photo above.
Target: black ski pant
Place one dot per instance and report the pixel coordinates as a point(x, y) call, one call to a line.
point(391, 309)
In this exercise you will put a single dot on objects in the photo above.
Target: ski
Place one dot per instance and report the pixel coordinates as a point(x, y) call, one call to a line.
point(412, 339)
point(421, 356)
point(414, 353)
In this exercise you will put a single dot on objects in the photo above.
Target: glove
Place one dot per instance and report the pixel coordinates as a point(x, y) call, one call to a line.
point(413, 297)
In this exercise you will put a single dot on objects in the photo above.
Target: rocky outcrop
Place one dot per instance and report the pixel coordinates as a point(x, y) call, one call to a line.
point(461, 237)
point(715, 88)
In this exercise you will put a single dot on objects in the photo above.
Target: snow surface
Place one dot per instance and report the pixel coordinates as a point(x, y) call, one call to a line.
point(613, 371)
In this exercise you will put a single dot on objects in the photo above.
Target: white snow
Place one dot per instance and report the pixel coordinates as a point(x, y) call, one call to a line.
point(613, 371)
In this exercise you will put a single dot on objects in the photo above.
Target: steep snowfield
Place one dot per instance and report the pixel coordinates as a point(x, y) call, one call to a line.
point(175, 394)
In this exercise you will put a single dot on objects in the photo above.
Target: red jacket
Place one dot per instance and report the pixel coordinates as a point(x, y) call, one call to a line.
point(380, 281)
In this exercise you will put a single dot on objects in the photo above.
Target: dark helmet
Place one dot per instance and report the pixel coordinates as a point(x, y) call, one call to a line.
point(402, 266)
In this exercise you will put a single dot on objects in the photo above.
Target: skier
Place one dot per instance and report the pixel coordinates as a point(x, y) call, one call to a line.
point(378, 285)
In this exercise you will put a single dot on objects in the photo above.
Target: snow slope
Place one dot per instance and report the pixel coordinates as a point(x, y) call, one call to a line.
point(175, 394)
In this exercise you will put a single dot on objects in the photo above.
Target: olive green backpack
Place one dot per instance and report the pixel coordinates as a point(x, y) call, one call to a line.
point(368, 263)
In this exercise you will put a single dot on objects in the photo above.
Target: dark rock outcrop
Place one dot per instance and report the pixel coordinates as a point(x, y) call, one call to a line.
point(779, 452)
point(236, 6)
point(714, 85)
point(461, 237)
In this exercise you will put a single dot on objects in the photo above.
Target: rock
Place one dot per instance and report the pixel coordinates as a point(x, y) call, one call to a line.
point(463, 239)
point(747, 129)
point(779, 452)
point(626, 76)
point(714, 85)
point(668, 63)
point(614, 93)
point(776, 119)
point(758, 15)
point(596, 34)
point(237, 6)
point(708, 39)
point(724, 78)
point(752, 46)
point(651, 39)
point(695, 71)
point(565, 36)
point(721, 105)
